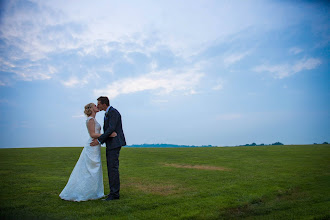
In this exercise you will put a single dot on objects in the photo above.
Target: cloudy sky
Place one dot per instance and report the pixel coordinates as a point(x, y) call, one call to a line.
point(180, 72)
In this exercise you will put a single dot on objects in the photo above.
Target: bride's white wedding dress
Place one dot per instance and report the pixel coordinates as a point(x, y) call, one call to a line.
point(86, 179)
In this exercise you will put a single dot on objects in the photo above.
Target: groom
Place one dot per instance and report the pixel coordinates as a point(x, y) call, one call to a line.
point(112, 123)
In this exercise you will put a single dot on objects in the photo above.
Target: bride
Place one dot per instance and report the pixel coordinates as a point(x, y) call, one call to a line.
point(86, 180)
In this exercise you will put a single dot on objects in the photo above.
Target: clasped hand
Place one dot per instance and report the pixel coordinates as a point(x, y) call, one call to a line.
point(95, 141)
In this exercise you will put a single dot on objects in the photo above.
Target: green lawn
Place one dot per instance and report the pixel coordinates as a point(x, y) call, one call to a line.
point(270, 182)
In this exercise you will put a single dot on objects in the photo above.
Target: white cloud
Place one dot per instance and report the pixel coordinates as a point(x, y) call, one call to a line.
point(74, 81)
point(218, 87)
point(34, 32)
point(295, 50)
point(153, 65)
point(64, 25)
point(38, 29)
point(306, 64)
point(164, 82)
point(233, 58)
point(33, 71)
point(285, 70)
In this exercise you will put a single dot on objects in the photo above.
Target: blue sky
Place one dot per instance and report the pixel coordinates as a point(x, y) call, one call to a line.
point(180, 72)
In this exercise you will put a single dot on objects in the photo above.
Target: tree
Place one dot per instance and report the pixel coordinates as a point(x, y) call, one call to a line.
point(277, 143)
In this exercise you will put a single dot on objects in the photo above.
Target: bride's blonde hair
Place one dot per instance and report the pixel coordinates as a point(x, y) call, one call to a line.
point(88, 109)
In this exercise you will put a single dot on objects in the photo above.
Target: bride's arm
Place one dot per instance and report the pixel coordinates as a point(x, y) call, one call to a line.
point(91, 130)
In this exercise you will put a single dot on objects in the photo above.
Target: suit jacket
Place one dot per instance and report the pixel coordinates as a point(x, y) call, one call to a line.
point(112, 122)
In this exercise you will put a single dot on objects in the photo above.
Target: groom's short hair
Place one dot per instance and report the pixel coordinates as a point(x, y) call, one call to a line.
point(104, 100)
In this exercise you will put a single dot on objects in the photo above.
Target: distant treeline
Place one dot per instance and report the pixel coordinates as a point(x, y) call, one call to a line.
point(174, 145)
point(276, 143)
point(254, 144)
point(165, 145)
point(323, 143)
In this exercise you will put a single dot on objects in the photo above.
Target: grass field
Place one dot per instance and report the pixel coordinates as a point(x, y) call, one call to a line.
point(270, 182)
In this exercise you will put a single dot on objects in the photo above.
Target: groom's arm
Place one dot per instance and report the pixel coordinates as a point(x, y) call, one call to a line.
point(113, 119)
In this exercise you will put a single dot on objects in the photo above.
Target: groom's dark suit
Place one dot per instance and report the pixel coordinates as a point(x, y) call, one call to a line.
point(112, 123)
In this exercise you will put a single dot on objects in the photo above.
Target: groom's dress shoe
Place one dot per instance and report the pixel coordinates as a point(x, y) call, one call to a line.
point(110, 198)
